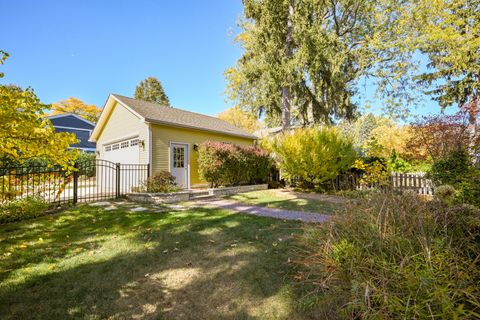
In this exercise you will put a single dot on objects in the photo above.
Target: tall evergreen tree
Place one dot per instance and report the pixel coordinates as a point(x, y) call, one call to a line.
point(151, 90)
point(301, 57)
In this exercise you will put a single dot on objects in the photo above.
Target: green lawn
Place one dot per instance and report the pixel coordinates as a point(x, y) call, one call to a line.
point(90, 263)
point(289, 200)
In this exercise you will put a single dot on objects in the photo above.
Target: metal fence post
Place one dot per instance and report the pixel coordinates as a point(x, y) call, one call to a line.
point(75, 183)
point(117, 182)
point(148, 170)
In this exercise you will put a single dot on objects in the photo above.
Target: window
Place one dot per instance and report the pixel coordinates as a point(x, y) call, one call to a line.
point(115, 146)
point(133, 142)
point(124, 145)
point(108, 148)
point(178, 157)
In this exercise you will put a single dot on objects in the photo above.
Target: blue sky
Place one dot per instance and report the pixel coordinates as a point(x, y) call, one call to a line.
point(88, 49)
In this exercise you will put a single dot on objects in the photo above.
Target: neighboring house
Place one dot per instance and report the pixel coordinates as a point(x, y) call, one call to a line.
point(69, 122)
point(140, 132)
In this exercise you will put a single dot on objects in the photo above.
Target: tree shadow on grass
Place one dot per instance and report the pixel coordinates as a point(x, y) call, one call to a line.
point(198, 264)
point(297, 203)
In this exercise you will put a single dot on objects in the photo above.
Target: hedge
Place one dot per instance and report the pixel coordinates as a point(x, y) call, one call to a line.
point(222, 163)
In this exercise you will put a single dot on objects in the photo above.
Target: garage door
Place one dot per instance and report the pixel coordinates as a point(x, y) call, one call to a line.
point(125, 152)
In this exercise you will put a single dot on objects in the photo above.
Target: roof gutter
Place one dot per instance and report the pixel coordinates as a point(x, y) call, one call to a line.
point(169, 124)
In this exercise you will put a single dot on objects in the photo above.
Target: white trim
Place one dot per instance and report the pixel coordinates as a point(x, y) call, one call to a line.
point(70, 114)
point(128, 108)
point(170, 155)
point(107, 109)
point(80, 129)
point(86, 149)
point(150, 148)
point(177, 125)
point(130, 136)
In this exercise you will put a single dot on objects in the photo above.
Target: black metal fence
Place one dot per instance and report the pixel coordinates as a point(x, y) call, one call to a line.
point(88, 181)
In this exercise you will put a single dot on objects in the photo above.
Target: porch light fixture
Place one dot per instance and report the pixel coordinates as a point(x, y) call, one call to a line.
point(195, 147)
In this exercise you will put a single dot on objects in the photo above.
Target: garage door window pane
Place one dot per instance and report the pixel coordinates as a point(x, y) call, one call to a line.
point(178, 157)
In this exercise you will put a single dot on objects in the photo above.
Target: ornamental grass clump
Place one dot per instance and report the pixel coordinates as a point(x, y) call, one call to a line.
point(394, 257)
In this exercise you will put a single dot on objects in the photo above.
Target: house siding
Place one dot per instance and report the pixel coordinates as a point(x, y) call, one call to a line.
point(122, 123)
point(162, 136)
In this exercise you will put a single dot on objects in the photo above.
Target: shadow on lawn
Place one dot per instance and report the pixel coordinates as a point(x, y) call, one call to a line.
point(295, 202)
point(226, 266)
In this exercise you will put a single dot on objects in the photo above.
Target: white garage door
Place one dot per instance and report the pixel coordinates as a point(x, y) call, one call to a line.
point(124, 152)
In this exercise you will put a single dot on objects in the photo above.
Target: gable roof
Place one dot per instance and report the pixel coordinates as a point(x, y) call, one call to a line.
point(70, 120)
point(169, 116)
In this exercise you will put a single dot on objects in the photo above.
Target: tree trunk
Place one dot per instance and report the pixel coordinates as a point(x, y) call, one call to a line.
point(310, 111)
point(286, 94)
point(473, 111)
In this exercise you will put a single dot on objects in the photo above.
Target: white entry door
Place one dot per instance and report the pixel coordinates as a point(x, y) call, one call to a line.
point(179, 162)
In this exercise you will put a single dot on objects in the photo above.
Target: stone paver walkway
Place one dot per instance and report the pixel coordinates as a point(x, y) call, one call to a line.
point(262, 211)
point(219, 203)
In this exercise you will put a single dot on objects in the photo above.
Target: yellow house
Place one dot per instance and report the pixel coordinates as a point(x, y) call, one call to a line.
point(131, 131)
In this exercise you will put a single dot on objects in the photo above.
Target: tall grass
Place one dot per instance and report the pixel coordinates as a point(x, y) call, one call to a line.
point(394, 257)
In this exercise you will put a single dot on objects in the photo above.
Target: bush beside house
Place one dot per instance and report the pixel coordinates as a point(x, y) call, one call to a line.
point(223, 163)
point(162, 182)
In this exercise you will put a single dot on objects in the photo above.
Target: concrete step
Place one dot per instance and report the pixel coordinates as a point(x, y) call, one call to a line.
point(201, 196)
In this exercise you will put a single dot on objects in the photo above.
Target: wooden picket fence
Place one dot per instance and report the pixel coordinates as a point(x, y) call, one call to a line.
point(415, 181)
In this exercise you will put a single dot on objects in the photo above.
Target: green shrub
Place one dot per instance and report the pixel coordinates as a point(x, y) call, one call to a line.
point(229, 164)
point(394, 257)
point(457, 169)
point(445, 193)
point(86, 164)
point(21, 209)
point(452, 169)
point(313, 155)
point(161, 182)
point(397, 164)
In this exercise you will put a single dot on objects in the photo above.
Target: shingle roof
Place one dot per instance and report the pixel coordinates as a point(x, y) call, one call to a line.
point(159, 114)
point(71, 121)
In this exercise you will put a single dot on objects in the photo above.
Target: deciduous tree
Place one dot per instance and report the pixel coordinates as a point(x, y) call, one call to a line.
point(436, 136)
point(25, 132)
point(241, 118)
point(78, 107)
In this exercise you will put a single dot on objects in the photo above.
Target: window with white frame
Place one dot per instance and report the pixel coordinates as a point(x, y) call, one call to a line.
point(133, 142)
